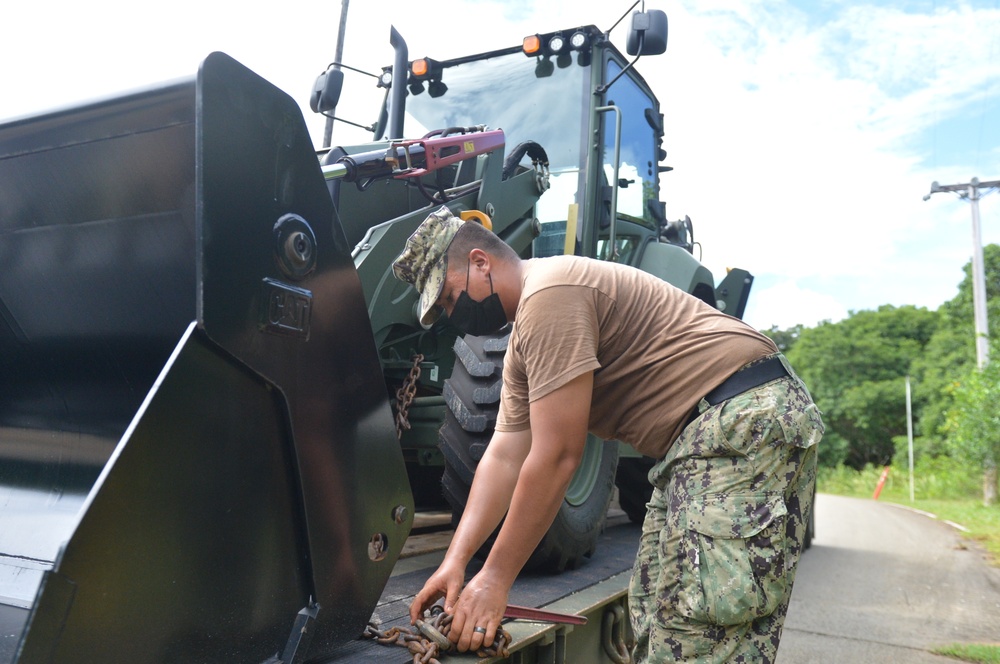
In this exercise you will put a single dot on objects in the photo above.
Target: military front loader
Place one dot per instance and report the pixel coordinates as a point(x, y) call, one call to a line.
point(215, 397)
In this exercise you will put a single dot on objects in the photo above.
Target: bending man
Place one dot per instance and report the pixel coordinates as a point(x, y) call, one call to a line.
point(609, 349)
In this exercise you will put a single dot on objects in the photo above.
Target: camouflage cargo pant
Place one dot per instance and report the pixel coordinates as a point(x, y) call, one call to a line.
point(724, 529)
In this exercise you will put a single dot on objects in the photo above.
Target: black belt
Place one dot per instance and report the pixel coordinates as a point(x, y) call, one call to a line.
point(747, 379)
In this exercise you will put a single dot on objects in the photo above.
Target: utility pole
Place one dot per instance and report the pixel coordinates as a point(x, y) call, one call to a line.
point(909, 432)
point(338, 56)
point(971, 191)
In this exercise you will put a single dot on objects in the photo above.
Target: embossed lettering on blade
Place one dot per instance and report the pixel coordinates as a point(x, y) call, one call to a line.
point(286, 310)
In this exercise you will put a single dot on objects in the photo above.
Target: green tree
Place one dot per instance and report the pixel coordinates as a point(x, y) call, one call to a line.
point(951, 352)
point(965, 407)
point(948, 355)
point(784, 339)
point(855, 369)
point(973, 423)
point(960, 308)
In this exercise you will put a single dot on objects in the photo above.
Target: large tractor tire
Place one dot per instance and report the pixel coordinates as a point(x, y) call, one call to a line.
point(473, 397)
point(634, 489)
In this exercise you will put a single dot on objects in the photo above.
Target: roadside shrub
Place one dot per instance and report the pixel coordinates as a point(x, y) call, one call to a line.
point(934, 478)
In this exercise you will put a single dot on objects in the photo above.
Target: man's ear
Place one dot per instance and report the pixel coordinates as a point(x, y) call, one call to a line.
point(480, 259)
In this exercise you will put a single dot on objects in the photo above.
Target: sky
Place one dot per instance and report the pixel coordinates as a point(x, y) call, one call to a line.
point(803, 135)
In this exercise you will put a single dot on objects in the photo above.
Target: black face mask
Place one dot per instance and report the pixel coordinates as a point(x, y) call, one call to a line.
point(478, 318)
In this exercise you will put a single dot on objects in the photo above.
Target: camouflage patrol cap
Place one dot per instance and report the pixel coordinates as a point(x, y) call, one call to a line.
point(424, 261)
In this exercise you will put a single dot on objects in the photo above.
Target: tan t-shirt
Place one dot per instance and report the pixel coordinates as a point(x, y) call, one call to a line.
point(655, 350)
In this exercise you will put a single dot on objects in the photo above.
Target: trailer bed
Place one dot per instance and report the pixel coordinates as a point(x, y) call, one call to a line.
point(601, 581)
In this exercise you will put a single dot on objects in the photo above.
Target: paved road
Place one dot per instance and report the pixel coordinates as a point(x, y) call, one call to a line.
point(883, 584)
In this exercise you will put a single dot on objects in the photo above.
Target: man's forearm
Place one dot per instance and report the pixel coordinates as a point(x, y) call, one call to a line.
point(490, 495)
point(558, 437)
point(537, 498)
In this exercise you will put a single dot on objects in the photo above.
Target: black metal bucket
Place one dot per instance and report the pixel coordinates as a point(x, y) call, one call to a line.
point(195, 440)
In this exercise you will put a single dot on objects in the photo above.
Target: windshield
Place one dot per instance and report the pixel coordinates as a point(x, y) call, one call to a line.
point(529, 102)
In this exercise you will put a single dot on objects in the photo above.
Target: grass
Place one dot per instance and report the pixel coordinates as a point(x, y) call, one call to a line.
point(947, 490)
point(987, 654)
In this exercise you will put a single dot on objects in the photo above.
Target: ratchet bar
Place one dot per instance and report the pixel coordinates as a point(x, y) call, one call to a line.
point(539, 615)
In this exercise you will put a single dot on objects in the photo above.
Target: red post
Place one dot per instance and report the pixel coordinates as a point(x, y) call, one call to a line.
point(881, 483)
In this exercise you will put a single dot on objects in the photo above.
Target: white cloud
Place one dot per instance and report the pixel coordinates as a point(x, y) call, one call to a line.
point(796, 143)
point(787, 304)
point(800, 141)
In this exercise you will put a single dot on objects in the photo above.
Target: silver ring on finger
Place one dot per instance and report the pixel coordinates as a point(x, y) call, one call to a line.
point(479, 630)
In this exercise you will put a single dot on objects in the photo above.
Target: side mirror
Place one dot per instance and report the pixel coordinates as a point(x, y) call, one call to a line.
point(648, 34)
point(326, 91)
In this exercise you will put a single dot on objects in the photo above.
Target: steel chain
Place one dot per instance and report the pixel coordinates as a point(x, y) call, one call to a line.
point(405, 396)
point(613, 635)
point(425, 649)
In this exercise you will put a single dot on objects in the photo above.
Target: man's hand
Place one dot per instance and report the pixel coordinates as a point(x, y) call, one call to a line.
point(445, 582)
point(481, 605)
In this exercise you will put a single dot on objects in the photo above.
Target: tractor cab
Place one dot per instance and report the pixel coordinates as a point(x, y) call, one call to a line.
point(554, 89)
point(599, 122)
